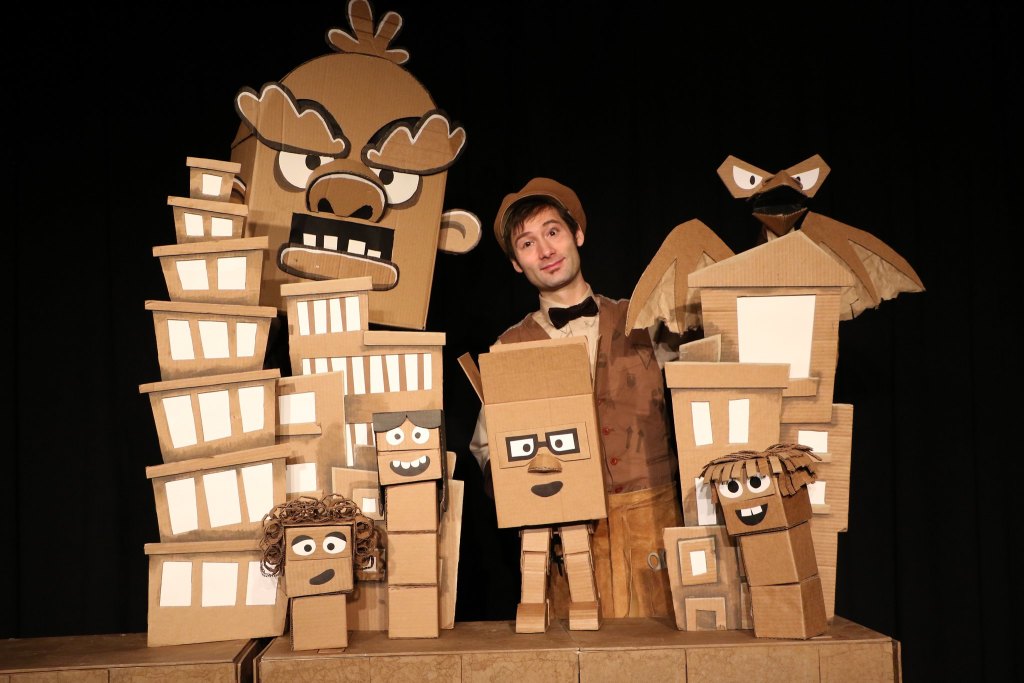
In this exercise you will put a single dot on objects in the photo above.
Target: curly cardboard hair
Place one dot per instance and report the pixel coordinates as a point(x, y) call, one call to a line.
point(792, 465)
point(308, 511)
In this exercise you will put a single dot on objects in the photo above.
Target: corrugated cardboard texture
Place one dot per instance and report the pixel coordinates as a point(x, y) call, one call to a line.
point(412, 559)
point(326, 319)
point(411, 507)
point(188, 621)
point(317, 570)
point(783, 512)
point(557, 367)
point(716, 385)
point(413, 612)
point(250, 481)
point(213, 220)
point(325, 446)
point(448, 542)
point(194, 339)
point(834, 471)
point(779, 557)
point(193, 271)
point(210, 178)
point(319, 622)
point(706, 350)
point(368, 606)
point(361, 408)
point(793, 610)
point(253, 429)
point(690, 575)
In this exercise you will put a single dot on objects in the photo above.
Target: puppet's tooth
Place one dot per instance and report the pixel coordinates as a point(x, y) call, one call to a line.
point(423, 460)
point(406, 465)
point(356, 247)
point(308, 239)
point(396, 463)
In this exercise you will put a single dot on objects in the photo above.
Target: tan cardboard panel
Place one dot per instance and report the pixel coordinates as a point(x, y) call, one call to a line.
point(681, 375)
point(311, 287)
point(211, 247)
point(319, 622)
point(298, 430)
point(575, 538)
point(706, 350)
point(412, 559)
point(208, 205)
point(345, 480)
point(706, 614)
point(213, 342)
point(212, 380)
point(544, 667)
point(411, 507)
point(367, 606)
point(393, 338)
point(193, 547)
point(688, 558)
point(579, 569)
point(779, 557)
point(792, 610)
point(598, 666)
point(413, 612)
point(448, 541)
point(218, 461)
point(217, 309)
point(537, 540)
point(231, 276)
point(714, 664)
point(326, 447)
point(469, 367)
point(858, 662)
point(213, 164)
point(557, 369)
point(360, 408)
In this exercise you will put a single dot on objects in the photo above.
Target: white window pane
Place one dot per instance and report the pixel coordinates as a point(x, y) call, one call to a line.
point(220, 584)
point(307, 368)
point(245, 340)
point(376, 375)
point(320, 366)
point(707, 511)
point(179, 334)
point(412, 372)
point(818, 441)
point(231, 271)
point(369, 506)
point(428, 369)
point(222, 501)
point(258, 481)
point(296, 409)
point(250, 401)
point(701, 413)
point(394, 379)
point(739, 420)
point(193, 225)
point(320, 316)
point(336, 321)
point(358, 380)
point(181, 505)
point(777, 329)
point(213, 334)
point(192, 275)
point(176, 584)
point(302, 311)
point(220, 227)
point(361, 438)
point(816, 491)
point(337, 365)
point(180, 422)
point(259, 589)
point(300, 477)
point(215, 412)
point(210, 184)
point(350, 458)
point(698, 562)
point(352, 321)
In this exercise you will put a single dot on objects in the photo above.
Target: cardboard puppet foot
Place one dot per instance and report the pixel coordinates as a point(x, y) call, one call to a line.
point(584, 616)
point(532, 617)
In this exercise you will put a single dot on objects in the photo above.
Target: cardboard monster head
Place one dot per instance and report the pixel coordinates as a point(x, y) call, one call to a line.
point(344, 162)
point(762, 491)
point(546, 460)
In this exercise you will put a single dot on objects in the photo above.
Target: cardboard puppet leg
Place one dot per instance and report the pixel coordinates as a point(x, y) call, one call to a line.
point(532, 615)
point(584, 610)
point(319, 622)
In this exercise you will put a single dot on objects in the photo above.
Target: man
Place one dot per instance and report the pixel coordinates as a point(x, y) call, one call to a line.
point(541, 228)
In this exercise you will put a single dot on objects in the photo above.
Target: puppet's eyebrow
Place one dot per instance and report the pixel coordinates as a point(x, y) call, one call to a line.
point(423, 145)
point(286, 124)
point(300, 539)
point(336, 534)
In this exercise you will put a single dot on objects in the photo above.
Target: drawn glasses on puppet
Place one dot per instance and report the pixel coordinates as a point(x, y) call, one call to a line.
point(564, 443)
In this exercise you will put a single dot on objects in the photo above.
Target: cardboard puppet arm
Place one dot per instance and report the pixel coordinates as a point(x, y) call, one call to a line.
point(662, 292)
point(880, 272)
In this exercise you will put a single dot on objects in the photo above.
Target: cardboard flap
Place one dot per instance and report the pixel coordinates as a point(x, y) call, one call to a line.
point(210, 380)
point(218, 461)
point(212, 246)
point(344, 285)
point(706, 350)
point(209, 205)
point(389, 338)
point(213, 164)
point(472, 374)
point(299, 430)
point(683, 375)
point(529, 371)
point(212, 309)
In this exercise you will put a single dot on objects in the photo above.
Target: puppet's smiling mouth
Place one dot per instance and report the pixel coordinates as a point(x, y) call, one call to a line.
point(752, 516)
point(322, 578)
point(321, 248)
point(411, 468)
point(545, 490)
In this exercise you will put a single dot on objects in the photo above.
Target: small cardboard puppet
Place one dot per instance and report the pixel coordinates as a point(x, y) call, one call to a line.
point(317, 545)
point(412, 466)
point(343, 168)
point(764, 501)
point(546, 465)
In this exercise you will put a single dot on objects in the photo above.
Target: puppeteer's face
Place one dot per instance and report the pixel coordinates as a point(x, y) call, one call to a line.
point(318, 559)
point(546, 251)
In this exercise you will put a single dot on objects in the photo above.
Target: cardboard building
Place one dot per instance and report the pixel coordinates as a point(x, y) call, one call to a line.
point(709, 592)
point(224, 272)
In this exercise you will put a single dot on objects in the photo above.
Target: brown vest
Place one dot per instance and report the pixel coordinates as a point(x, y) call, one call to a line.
point(630, 394)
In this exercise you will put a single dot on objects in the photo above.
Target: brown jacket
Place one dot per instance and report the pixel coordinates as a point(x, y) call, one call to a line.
point(630, 394)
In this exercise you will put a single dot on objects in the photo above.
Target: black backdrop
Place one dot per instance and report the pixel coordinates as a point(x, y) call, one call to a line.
point(635, 107)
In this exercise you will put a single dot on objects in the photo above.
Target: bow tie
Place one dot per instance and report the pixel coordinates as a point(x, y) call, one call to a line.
point(560, 317)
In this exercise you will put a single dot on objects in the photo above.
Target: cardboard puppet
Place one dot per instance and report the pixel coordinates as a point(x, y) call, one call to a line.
point(547, 466)
point(343, 168)
point(412, 464)
point(317, 545)
point(764, 501)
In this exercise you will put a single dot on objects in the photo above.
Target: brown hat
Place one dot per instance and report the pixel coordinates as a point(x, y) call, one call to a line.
point(543, 187)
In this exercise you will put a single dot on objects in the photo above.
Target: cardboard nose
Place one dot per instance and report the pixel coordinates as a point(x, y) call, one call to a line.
point(544, 462)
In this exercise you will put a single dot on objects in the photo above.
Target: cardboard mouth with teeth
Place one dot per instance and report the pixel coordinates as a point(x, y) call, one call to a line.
point(547, 490)
point(412, 468)
point(752, 516)
point(321, 248)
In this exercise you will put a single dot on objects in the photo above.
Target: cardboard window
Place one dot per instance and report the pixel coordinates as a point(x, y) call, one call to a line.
point(215, 412)
point(258, 481)
point(180, 423)
point(411, 372)
point(698, 562)
point(337, 365)
point(300, 477)
point(337, 324)
point(245, 340)
point(394, 379)
point(362, 434)
point(214, 336)
point(818, 441)
point(179, 334)
point(307, 367)
point(222, 499)
point(192, 275)
point(302, 312)
point(707, 511)
point(320, 366)
point(259, 589)
point(220, 584)
point(358, 375)
point(777, 329)
point(739, 420)
point(221, 227)
point(295, 409)
point(181, 505)
point(700, 412)
point(250, 402)
point(428, 369)
point(176, 584)
point(368, 502)
point(320, 316)
point(352, 320)
point(210, 184)
point(376, 375)
point(193, 224)
point(231, 272)
point(816, 491)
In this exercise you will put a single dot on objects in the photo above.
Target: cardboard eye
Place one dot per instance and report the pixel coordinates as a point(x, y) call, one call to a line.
point(395, 436)
point(420, 435)
point(745, 179)
point(520, 448)
point(297, 167)
point(562, 442)
point(303, 545)
point(730, 489)
point(398, 186)
point(335, 543)
point(808, 179)
point(758, 484)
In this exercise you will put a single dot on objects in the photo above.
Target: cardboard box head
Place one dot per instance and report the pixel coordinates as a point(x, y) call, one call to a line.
point(762, 491)
point(410, 446)
point(344, 162)
point(319, 559)
point(546, 458)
